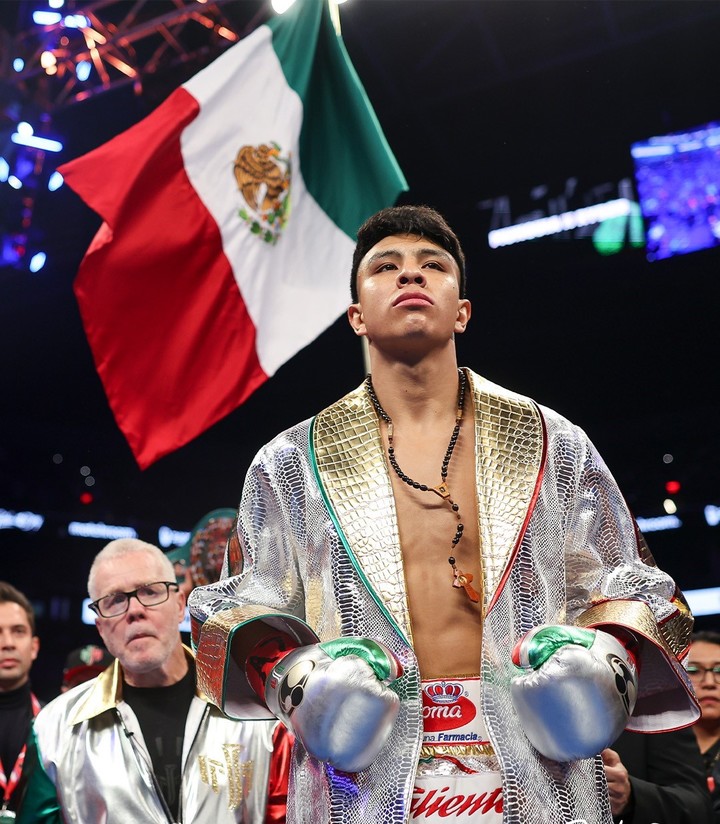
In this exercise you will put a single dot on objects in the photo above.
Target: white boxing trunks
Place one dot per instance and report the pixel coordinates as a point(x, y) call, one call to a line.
point(458, 776)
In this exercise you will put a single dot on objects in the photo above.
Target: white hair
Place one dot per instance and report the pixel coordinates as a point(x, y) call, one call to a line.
point(128, 546)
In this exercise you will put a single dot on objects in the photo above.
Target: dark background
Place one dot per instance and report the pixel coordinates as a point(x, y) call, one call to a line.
point(480, 100)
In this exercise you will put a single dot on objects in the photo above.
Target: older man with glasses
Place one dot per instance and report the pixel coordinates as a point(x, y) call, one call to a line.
point(138, 743)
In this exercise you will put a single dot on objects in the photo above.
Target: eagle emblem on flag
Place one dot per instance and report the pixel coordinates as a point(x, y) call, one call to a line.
point(263, 178)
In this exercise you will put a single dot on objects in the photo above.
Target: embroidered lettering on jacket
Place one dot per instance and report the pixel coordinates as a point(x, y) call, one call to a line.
point(237, 775)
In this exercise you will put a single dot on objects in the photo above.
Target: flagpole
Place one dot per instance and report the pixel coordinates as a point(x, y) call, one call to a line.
point(366, 355)
point(334, 8)
point(335, 15)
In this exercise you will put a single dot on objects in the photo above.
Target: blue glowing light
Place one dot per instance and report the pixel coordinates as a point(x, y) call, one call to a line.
point(83, 69)
point(35, 142)
point(76, 21)
point(46, 18)
point(37, 261)
point(55, 181)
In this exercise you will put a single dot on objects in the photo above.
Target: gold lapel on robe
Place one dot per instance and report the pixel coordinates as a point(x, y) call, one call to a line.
point(509, 456)
point(350, 460)
point(353, 473)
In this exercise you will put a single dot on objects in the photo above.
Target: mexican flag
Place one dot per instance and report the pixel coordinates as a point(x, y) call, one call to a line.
point(229, 218)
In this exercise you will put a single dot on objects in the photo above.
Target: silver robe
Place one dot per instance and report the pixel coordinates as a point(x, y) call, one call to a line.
point(90, 746)
point(317, 540)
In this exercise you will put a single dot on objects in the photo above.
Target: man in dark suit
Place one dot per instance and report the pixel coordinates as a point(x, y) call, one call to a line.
point(657, 779)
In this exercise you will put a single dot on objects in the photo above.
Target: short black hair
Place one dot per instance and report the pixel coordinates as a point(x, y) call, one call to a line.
point(422, 221)
point(10, 595)
point(709, 636)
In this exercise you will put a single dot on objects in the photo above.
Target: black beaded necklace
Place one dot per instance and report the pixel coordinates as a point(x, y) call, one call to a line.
point(460, 579)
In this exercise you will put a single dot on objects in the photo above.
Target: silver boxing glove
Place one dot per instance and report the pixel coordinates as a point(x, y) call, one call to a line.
point(575, 691)
point(335, 698)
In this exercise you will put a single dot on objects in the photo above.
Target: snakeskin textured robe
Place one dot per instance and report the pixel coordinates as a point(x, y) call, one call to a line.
point(318, 546)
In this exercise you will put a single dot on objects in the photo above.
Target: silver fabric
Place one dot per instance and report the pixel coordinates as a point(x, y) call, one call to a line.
point(578, 701)
point(338, 708)
point(318, 532)
point(91, 746)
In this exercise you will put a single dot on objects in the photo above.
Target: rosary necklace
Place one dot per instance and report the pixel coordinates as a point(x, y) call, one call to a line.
point(462, 580)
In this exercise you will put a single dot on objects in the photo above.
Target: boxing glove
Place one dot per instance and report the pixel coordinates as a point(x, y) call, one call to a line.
point(574, 691)
point(335, 698)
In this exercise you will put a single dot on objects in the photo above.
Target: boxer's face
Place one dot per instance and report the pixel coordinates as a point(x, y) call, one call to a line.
point(408, 289)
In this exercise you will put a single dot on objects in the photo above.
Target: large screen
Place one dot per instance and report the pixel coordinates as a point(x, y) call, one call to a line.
point(678, 182)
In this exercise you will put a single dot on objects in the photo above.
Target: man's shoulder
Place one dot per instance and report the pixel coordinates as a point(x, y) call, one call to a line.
point(298, 436)
point(485, 386)
point(289, 440)
point(496, 390)
point(65, 705)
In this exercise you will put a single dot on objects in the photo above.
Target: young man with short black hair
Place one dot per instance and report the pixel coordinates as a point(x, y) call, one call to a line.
point(439, 587)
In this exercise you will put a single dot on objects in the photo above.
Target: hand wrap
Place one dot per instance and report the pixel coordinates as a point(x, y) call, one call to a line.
point(335, 699)
point(576, 690)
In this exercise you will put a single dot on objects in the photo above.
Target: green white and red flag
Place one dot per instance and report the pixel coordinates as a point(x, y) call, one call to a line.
point(229, 217)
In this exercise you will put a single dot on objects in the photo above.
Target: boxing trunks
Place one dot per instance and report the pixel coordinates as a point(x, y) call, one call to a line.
point(458, 776)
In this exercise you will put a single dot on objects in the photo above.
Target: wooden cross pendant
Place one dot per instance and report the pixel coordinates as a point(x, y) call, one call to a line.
point(463, 579)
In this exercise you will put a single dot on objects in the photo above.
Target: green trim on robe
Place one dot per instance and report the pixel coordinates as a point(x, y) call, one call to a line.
point(40, 804)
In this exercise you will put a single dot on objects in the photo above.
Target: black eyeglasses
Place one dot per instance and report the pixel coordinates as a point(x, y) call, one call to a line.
point(149, 595)
point(697, 673)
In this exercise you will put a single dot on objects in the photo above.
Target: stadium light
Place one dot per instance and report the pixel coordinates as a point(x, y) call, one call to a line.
point(46, 18)
point(37, 261)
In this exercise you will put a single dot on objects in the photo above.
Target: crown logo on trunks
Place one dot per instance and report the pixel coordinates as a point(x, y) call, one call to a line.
point(445, 692)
